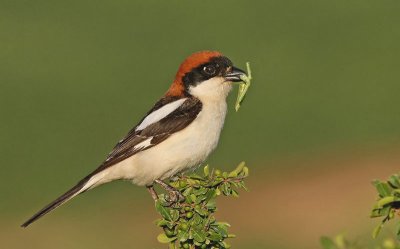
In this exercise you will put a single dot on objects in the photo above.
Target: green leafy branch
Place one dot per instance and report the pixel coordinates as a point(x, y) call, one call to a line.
point(386, 206)
point(387, 203)
point(191, 223)
point(341, 242)
point(338, 242)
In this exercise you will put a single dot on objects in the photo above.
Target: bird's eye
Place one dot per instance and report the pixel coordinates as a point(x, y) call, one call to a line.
point(210, 70)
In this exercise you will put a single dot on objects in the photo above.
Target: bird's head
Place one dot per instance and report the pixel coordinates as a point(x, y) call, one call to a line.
point(205, 75)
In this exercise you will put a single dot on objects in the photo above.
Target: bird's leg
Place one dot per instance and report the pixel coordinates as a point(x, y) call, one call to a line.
point(174, 195)
point(152, 192)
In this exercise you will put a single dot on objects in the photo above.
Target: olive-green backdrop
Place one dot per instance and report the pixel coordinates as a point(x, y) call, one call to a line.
point(320, 120)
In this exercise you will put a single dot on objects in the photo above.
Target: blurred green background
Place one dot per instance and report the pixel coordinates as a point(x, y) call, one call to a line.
point(321, 120)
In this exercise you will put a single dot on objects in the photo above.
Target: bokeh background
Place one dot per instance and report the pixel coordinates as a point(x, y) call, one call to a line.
point(320, 122)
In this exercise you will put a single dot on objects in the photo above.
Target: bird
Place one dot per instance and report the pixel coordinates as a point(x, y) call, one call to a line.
point(176, 135)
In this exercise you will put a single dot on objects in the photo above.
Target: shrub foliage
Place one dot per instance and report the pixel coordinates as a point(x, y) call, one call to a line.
point(191, 223)
point(387, 203)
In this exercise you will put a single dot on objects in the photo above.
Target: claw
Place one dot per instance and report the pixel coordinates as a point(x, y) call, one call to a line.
point(174, 196)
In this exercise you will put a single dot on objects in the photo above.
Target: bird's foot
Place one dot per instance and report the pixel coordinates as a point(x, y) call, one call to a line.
point(174, 196)
point(152, 192)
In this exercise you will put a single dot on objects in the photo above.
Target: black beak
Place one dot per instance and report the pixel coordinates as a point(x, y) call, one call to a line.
point(234, 74)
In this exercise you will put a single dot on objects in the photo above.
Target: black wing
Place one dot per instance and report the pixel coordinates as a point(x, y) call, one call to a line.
point(159, 131)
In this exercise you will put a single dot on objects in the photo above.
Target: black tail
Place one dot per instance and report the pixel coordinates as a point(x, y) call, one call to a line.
point(77, 189)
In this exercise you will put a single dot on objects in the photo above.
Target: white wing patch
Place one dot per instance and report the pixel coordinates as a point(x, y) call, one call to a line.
point(160, 114)
point(144, 144)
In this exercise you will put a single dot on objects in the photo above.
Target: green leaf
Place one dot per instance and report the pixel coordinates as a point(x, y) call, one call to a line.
point(392, 212)
point(206, 171)
point(240, 167)
point(199, 235)
point(191, 181)
point(385, 201)
point(193, 197)
point(380, 211)
point(225, 245)
point(200, 191)
point(222, 230)
point(243, 87)
point(233, 174)
point(182, 184)
point(340, 241)
point(162, 223)
point(383, 188)
point(376, 212)
point(394, 181)
point(196, 177)
point(211, 205)
point(215, 236)
point(200, 211)
point(243, 186)
point(164, 211)
point(187, 191)
point(216, 182)
point(210, 194)
point(174, 184)
point(376, 231)
point(221, 245)
point(398, 232)
point(162, 238)
point(327, 243)
point(245, 171)
point(196, 220)
point(171, 246)
point(225, 224)
point(389, 244)
point(226, 188)
point(175, 215)
point(183, 235)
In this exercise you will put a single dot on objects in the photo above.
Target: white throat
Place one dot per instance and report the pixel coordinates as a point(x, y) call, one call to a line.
point(214, 89)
